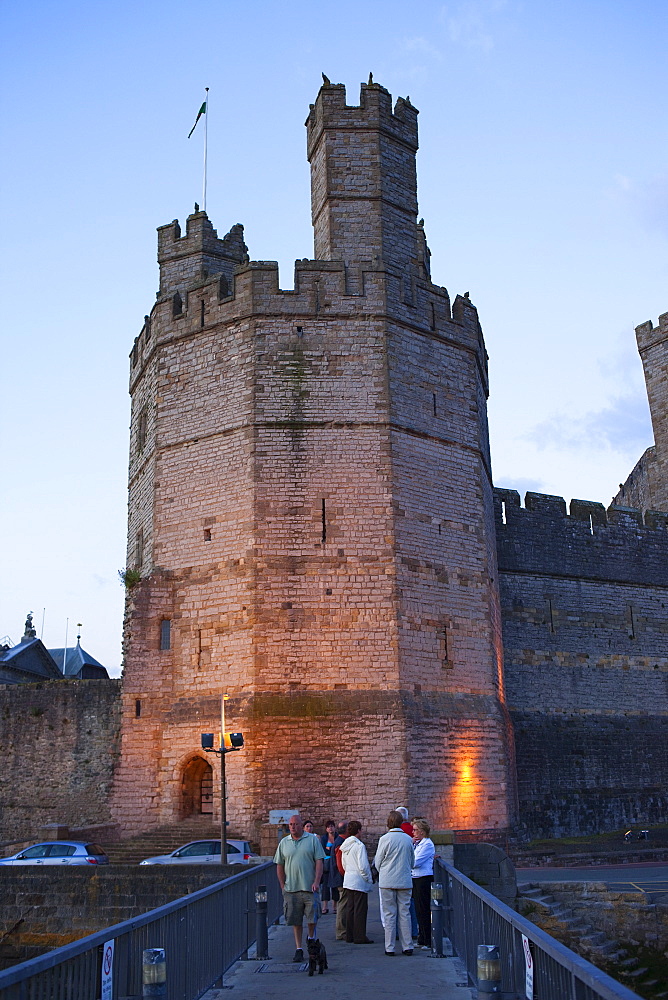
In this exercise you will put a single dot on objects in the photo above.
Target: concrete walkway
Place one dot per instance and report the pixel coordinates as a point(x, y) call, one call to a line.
point(354, 970)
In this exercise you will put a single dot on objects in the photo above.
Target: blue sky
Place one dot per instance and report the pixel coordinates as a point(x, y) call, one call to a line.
point(543, 181)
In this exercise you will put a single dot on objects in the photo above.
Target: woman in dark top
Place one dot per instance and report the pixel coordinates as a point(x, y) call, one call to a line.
point(332, 880)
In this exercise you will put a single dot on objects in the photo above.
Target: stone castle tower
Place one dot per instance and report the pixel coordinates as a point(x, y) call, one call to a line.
point(310, 509)
point(647, 486)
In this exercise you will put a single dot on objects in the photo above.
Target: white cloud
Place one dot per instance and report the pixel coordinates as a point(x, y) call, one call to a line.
point(623, 426)
point(419, 44)
point(470, 23)
point(622, 183)
point(647, 201)
point(522, 484)
point(653, 199)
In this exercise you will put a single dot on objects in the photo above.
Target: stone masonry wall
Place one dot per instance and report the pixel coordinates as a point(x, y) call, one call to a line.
point(59, 744)
point(636, 492)
point(46, 908)
point(584, 601)
point(449, 636)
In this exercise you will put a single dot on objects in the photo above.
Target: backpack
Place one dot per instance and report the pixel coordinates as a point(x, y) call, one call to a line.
point(339, 863)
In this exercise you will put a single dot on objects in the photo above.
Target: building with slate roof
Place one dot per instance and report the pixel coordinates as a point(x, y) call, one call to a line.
point(78, 663)
point(30, 660)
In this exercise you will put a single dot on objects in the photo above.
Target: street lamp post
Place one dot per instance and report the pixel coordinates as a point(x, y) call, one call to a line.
point(229, 742)
point(223, 784)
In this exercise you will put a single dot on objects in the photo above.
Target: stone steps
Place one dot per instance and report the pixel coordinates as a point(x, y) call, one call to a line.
point(162, 840)
point(594, 943)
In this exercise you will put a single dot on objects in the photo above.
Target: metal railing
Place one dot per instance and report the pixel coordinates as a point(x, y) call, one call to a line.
point(473, 917)
point(203, 934)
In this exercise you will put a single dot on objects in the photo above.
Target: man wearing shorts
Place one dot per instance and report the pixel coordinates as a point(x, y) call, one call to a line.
point(299, 861)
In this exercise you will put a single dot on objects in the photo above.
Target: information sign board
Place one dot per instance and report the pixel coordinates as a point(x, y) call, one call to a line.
point(281, 815)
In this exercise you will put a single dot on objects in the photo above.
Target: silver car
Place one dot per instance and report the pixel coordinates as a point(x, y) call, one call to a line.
point(59, 852)
point(205, 852)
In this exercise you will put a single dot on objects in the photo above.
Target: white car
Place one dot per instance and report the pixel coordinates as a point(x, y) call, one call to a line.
point(205, 852)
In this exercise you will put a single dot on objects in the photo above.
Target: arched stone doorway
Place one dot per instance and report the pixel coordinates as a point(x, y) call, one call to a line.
point(197, 788)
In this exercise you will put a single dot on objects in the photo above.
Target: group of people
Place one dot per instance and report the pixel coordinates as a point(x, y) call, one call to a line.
point(314, 870)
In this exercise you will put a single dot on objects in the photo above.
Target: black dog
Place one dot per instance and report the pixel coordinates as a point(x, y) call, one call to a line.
point(316, 956)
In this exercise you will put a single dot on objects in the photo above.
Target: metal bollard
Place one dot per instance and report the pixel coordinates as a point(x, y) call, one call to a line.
point(489, 969)
point(436, 906)
point(261, 933)
point(154, 973)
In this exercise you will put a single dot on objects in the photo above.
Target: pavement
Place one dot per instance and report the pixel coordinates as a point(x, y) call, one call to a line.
point(639, 877)
point(354, 970)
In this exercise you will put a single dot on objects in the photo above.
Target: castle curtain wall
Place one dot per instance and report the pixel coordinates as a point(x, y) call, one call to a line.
point(585, 620)
point(59, 743)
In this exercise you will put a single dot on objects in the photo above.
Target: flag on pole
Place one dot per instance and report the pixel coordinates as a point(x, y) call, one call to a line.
point(202, 111)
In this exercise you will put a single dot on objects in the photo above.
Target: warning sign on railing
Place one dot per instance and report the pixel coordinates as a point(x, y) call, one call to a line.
point(107, 970)
point(528, 961)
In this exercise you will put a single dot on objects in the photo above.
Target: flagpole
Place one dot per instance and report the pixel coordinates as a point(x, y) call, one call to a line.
point(67, 622)
point(206, 127)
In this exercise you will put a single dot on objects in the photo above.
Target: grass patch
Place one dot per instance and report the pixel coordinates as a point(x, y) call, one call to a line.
point(658, 837)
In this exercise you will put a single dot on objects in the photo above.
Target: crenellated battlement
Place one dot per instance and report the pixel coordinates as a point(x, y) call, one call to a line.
point(586, 541)
point(589, 511)
point(647, 335)
point(198, 254)
point(200, 237)
point(465, 313)
point(373, 111)
point(322, 289)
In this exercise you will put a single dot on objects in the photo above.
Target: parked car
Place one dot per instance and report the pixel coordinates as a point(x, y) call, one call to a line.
point(59, 852)
point(205, 852)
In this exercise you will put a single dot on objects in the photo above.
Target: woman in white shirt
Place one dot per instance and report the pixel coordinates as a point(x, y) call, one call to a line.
point(357, 882)
point(423, 876)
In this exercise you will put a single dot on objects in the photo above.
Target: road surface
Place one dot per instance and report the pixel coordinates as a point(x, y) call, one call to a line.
point(645, 876)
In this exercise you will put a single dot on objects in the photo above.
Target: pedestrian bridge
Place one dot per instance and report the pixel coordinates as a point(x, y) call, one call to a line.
point(355, 971)
point(209, 941)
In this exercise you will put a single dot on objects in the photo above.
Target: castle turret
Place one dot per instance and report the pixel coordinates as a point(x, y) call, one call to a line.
point(653, 348)
point(647, 486)
point(363, 177)
point(197, 255)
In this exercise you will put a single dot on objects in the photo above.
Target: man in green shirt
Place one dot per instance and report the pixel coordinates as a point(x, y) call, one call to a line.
point(299, 859)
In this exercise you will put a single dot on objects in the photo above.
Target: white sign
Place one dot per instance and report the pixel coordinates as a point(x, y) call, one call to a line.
point(281, 815)
point(528, 959)
point(107, 969)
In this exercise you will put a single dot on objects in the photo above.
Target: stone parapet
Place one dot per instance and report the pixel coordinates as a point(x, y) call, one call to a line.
point(45, 908)
point(621, 544)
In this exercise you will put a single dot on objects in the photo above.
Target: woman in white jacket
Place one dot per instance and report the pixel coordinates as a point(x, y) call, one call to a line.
point(357, 882)
point(394, 860)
